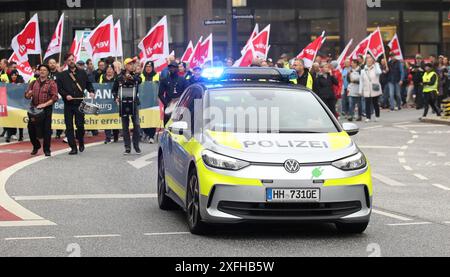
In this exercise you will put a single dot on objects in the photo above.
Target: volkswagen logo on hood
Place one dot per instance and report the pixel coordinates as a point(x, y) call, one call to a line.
point(292, 166)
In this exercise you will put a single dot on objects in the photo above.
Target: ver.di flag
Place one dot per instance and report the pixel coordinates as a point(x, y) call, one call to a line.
point(361, 49)
point(310, 52)
point(118, 39)
point(376, 46)
point(394, 45)
point(247, 58)
point(24, 68)
point(188, 53)
point(203, 53)
point(28, 41)
point(260, 43)
point(101, 43)
point(155, 45)
point(344, 55)
point(55, 46)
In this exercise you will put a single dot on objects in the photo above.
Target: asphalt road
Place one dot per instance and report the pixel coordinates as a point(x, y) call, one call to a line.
point(103, 205)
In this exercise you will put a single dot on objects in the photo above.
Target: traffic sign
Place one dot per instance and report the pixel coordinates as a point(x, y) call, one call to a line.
point(215, 22)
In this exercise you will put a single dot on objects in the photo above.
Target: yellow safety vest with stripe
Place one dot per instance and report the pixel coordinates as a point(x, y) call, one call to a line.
point(32, 79)
point(309, 82)
point(4, 78)
point(426, 79)
point(155, 78)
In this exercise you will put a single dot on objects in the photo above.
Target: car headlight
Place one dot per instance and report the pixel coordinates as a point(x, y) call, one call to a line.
point(215, 160)
point(355, 162)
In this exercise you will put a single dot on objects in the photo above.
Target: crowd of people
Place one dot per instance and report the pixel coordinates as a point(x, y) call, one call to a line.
point(357, 92)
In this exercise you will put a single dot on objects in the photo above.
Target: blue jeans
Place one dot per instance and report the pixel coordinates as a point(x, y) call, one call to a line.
point(395, 95)
point(345, 103)
point(353, 102)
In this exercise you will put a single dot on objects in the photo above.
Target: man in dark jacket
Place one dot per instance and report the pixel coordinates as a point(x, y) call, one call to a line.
point(171, 88)
point(128, 79)
point(417, 71)
point(196, 76)
point(71, 86)
point(395, 77)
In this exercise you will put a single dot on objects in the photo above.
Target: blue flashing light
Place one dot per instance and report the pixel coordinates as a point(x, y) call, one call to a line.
point(213, 73)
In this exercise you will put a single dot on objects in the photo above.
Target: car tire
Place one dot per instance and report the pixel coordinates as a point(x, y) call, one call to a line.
point(195, 223)
point(164, 201)
point(352, 228)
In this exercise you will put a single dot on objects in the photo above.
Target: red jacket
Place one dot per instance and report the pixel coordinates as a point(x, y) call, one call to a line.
point(337, 89)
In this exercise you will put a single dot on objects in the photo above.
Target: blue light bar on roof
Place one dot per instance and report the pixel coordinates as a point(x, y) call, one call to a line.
point(213, 73)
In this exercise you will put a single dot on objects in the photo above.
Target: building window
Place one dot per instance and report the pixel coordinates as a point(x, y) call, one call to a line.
point(421, 32)
point(11, 23)
point(446, 32)
point(388, 21)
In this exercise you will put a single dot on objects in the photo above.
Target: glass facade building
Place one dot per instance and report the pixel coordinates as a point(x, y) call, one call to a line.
point(423, 26)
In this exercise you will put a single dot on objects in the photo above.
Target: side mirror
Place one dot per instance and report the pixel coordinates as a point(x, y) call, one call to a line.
point(351, 128)
point(179, 128)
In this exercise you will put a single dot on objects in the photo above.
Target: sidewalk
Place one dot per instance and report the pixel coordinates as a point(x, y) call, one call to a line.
point(437, 120)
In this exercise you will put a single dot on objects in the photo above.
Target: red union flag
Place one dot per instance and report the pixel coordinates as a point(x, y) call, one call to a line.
point(344, 55)
point(24, 68)
point(188, 53)
point(394, 45)
point(118, 39)
point(260, 43)
point(376, 46)
point(3, 102)
point(55, 45)
point(247, 59)
point(76, 46)
point(252, 36)
point(361, 49)
point(155, 45)
point(28, 41)
point(203, 53)
point(310, 52)
point(101, 43)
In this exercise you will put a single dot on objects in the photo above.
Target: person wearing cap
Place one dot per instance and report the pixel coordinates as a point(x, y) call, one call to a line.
point(430, 83)
point(43, 94)
point(171, 88)
point(417, 71)
point(72, 83)
point(196, 76)
point(130, 80)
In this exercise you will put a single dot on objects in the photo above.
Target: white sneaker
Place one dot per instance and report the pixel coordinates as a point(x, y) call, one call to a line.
point(368, 121)
point(65, 140)
point(151, 141)
point(13, 137)
point(377, 119)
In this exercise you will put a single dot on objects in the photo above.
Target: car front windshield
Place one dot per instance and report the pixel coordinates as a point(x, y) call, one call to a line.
point(265, 110)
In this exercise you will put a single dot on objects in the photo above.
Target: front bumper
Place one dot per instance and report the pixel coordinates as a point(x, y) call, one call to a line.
point(235, 204)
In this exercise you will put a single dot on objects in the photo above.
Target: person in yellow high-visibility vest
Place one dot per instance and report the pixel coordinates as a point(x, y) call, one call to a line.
point(430, 82)
point(4, 76)
point(304, 77)
point(149, 75)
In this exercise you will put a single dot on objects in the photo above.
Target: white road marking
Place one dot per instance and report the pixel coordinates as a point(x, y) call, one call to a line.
point(379, 147)
point(29, 238)
point(394, 216)
point(401, 123)
point(446, 222)
point(415, 137)
point(97, 236)
point(421, 177)
point(12, 206)
point(143, 161)
point(167, 234)
point(410, 224)
point(388, 181)
point(413, 132)
point(373, 127)
point(405, 147)
point(439, 154)
point(402, 160)
point(411, 141)
point(84, 197)
point(441, 187)
point(401, 154)
point(407, 168)
point(26, 223)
